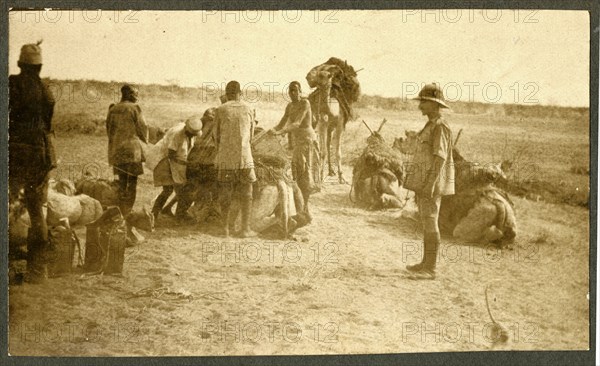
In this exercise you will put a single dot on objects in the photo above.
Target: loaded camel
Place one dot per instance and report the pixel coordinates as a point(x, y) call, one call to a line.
point(277, 199)
point(377, 174)
point(479, 210)
point(331, 102)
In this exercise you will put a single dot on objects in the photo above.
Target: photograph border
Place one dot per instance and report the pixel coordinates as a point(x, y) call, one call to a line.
point(442, 358)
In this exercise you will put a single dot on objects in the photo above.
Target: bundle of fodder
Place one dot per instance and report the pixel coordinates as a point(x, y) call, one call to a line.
point(347, 80)
point(270, 169)
point(64, 186)
point(339, 76)
point(271, 163)
point(377, 174)
point(377, 155)
point(471, 175)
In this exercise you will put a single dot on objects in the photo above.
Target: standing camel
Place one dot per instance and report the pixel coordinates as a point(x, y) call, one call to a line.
point(331, 104)
point(329, 118)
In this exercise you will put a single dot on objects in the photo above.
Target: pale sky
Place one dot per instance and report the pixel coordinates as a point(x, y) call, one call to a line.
point(527, 57)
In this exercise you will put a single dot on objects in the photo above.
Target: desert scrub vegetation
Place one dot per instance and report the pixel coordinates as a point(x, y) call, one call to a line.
point(548, 145)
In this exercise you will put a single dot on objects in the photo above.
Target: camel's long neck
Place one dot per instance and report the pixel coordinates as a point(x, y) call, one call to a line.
point(319, 99)
point(325, 93)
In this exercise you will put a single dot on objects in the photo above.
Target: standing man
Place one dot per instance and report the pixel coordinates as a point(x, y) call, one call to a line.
point(126, 131)
point(297, 121)
point(31, 152)
point(431, 174)
point(234, 122)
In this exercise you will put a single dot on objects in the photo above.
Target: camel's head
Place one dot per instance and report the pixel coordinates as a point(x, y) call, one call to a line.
point(322, 76)
point(408, 144)
point(500, 172)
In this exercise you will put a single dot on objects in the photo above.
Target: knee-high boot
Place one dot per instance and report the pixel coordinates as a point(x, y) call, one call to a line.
point(430, 248)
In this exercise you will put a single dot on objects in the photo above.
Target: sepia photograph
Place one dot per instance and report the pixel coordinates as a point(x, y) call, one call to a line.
point(299, 182)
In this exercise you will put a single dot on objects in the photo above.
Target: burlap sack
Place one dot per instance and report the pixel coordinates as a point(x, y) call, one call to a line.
point(61, 206)
point(143, 220)
point(101, 189)
point(91, 209)
point(65, 187)
point(154, 154)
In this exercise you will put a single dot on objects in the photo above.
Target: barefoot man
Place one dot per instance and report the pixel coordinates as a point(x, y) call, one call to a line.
point(297, 121)
point(234, 122)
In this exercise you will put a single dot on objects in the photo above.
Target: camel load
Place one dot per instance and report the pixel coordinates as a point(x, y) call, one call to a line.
point(277, 200)
point(479, 210)
point(337, 77)
point(337, 88)
point(377, 174)
point(276, 196)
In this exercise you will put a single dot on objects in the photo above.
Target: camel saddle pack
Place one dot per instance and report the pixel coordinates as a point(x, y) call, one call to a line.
point(106, 239)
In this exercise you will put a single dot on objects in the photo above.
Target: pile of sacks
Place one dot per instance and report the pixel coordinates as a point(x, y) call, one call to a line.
point(81, 203)
point(80, 209)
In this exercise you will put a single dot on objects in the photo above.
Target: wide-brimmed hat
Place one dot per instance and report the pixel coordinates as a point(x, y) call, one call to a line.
point(31, 54)
point(193, 125)
point(434, 93)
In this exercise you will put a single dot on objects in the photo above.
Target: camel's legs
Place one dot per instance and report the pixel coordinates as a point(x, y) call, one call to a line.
point(329, 162)
point(338, 149)
point(322, 131)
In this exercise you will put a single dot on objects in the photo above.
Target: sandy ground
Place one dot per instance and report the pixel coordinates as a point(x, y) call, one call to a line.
point(340, 287)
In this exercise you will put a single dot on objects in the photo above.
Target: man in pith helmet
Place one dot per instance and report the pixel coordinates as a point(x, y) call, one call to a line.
point(431, 174)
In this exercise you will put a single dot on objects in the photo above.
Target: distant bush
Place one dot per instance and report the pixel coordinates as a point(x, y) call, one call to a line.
point(547, 191)
point(91, 91)
point(512, 110)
